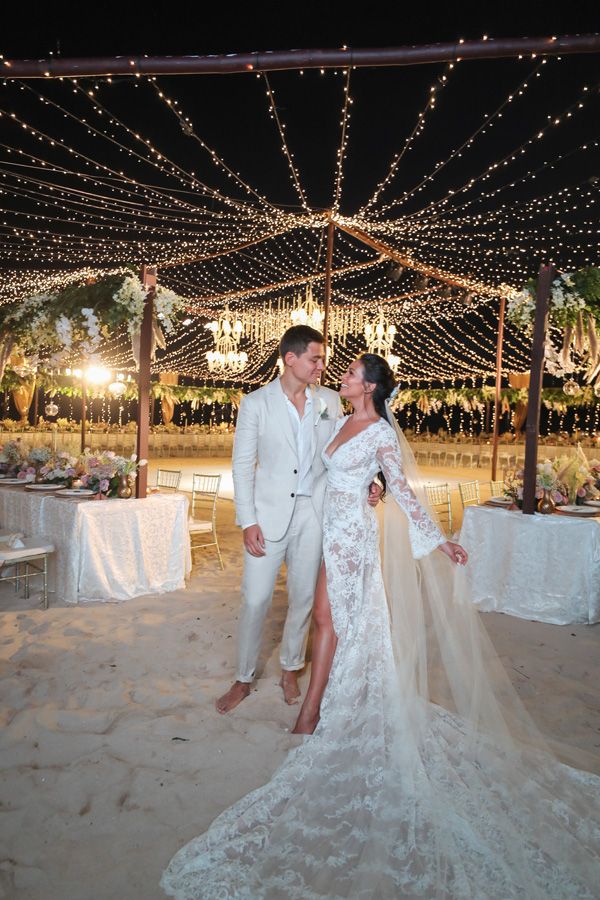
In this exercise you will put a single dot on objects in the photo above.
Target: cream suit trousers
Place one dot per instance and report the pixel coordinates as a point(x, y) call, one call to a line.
point(300, 548)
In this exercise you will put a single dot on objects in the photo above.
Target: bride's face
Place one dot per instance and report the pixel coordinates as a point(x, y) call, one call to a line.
point(354, 386)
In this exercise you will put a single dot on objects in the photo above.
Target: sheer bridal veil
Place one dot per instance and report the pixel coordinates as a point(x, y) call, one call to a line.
point(449, 672)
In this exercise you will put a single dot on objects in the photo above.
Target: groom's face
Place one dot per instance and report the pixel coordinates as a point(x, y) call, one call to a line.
point(308, 366)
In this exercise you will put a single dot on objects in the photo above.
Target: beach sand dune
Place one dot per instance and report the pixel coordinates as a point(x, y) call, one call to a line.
point(111, 752)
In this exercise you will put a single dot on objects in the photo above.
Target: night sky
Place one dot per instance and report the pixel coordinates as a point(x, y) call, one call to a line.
point(468, 234)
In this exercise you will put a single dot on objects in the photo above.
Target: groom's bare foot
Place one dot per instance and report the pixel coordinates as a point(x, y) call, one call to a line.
point(236, 693)
point(289, 683)
point(307, 721)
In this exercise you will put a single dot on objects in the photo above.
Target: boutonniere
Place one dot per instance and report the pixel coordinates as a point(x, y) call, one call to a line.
point(323, 411)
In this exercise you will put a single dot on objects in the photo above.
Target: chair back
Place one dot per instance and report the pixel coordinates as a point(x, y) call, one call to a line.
point(205, 490)
point(496, 488)
point(439, 497)
point(168, 479)
point(469, 493)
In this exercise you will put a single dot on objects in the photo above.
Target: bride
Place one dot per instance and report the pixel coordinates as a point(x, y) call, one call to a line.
point(424, 777)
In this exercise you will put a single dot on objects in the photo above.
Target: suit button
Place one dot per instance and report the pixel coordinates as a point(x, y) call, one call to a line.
point(292, 495)
point(295, 471)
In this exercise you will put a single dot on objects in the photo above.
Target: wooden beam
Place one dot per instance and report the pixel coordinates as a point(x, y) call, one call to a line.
point(236, 249)
point(545, 278)
point(277, 286)
point(148, 279)
point(498, 386)
point(476, 286)
point(279, 60)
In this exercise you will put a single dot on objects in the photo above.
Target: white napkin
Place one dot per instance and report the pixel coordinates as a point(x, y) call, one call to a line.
point(13, 542)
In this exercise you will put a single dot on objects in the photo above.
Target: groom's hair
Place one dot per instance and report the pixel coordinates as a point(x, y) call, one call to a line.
point(297, 338)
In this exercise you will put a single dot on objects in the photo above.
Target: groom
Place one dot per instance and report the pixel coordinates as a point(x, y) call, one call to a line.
point(279, 485)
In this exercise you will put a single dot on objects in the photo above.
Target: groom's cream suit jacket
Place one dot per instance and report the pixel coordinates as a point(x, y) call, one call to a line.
point(265, 457)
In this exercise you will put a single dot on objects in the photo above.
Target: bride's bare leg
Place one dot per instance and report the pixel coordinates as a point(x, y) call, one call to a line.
point(323, 650)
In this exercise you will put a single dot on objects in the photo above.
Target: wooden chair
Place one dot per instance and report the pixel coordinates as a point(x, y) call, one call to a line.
point(439, 498)
point(34, 557)
point(469, 493)
point(168, 479)
point(203, 531)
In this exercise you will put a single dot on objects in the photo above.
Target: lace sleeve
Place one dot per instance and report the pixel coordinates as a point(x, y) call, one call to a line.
point(424, 534)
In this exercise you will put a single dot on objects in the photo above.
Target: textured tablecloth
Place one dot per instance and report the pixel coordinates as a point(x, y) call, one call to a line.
point(108, 550)
point(545, 568)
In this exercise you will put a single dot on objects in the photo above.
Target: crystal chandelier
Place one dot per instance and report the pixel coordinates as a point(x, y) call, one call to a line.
point(226, 357)
point(380, 336)
point(307, 312)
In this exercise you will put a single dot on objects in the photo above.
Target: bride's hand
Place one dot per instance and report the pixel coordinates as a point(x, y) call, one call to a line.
point(455, 552)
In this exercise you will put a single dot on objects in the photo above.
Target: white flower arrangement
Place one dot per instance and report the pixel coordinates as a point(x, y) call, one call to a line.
point(132, 295)
point(167, 305)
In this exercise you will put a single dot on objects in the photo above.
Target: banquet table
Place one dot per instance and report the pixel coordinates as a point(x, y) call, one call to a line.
point(110, 550)
point(540, 567)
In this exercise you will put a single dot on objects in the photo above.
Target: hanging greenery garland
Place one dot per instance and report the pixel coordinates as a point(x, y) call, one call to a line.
point(73, 322)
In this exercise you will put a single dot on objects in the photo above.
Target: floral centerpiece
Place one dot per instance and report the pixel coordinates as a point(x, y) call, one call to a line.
point(103, 471)
point(12, 456)
point(567, 479)
point(61, 468)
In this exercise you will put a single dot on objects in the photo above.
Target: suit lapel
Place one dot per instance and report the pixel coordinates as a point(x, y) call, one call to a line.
point(316, 413)
point(279, 411)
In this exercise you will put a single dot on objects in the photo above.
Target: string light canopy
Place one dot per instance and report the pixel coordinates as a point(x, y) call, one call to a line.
point(489, 167)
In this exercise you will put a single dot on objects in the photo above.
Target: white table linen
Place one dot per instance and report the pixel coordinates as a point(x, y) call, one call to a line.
point(540, 567)
point(109, 550)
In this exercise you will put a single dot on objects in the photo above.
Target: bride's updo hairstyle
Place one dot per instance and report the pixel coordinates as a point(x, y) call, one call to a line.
point(377, 371)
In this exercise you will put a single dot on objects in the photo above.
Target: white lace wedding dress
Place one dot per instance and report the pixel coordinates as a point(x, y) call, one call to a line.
point(392, 796)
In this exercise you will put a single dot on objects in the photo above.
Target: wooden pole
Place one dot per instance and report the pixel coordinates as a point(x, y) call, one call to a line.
point(328, 265)
point(278, 60)
point(498, 386)
point(545, 279)
point(83, 410)
point(148, 278)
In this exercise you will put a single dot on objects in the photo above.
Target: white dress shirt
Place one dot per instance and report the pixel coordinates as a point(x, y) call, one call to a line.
point(303, 429)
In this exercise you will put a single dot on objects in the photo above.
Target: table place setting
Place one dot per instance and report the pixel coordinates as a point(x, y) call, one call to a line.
point(499, 502)
point(583, 512)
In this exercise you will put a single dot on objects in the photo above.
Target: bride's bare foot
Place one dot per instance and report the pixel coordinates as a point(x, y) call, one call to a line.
point(307, 721)
point(289, 683)
point(236, 693)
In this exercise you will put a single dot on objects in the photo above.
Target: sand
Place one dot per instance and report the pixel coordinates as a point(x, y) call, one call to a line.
point(111, 753)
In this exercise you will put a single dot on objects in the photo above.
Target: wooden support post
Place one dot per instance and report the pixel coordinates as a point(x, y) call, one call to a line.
point(328, 265)
point(148, 278)
point(545, 278)
point(83, 410)
point(498, 386)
